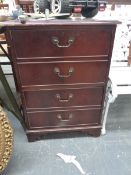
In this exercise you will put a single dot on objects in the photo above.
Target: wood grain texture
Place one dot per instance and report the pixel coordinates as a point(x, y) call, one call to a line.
point(32, 74)
point(62, 88)
point(64, 118)
point(84, 37)
point(63, 98)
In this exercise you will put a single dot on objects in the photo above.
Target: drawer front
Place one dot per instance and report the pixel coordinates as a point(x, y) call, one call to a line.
point(62, 73)
point(63, 98)
point(64, 118)
point(74, 41)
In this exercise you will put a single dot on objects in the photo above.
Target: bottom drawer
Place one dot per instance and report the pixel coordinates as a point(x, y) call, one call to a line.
point(64, 118)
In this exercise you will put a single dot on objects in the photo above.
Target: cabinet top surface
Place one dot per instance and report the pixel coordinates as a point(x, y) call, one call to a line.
point(60, 22)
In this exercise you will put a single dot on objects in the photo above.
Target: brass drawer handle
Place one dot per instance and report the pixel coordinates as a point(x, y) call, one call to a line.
point(64, 100)
point(59, 116)
point(57, 71)
point(56, 42)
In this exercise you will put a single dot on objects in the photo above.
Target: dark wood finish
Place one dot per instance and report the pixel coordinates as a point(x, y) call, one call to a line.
point(2, 6)
point(84, 36)
point(34, 74)
point(62, 88)
point(64, 118)
point(24, 1)
point(26, 5)
point(61, 98)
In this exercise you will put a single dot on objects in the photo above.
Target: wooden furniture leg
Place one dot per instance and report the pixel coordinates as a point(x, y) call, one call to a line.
point(2, 48)
point(14, 106)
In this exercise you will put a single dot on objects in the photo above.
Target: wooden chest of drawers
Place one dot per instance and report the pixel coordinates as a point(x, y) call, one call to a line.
point(61, 69)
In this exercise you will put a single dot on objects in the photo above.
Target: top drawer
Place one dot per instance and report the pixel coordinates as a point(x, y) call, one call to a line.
point(66, 41)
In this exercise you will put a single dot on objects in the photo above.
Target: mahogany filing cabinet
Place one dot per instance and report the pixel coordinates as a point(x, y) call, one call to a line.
point(61, 71)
